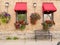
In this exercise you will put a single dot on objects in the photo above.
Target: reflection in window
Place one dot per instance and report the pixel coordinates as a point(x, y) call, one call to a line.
point(47, 17)
point(21, 16)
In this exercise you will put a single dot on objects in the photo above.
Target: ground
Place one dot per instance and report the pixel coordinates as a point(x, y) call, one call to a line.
point(29, 42)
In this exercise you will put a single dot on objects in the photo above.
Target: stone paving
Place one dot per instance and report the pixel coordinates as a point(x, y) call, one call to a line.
point(28, 42)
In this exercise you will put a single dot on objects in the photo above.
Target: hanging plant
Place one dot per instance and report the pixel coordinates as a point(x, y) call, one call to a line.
point(5, 17)
point(34, 17)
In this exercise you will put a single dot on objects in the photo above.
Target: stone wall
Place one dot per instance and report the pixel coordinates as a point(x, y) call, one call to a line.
point(30, 9)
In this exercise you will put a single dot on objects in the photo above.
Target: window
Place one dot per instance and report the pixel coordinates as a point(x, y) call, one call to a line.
point(48, 16)
point(21, 16)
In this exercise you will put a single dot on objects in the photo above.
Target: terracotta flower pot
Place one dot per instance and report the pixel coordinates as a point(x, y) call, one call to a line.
point(33, 22)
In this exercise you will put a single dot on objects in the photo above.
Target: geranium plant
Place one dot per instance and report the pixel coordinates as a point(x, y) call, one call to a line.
point(20, 25)
point(34, 17)
point(17, 25)
point(5, 17)
point(21, 21)
point(47, 24)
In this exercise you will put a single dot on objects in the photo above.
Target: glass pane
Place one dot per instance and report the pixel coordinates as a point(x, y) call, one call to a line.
point(47, 17)
point(21, 17)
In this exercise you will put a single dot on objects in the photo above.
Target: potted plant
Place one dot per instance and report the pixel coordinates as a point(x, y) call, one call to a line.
point(50, 23)
point(20, 25)
point(17, 25)
point(47, 24)
point(34, 17)
point(5, 17)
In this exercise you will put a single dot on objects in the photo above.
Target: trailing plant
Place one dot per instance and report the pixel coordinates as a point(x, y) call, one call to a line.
point(20, 25)
point(47, 24)
point(17, 25)
point(34, 17)
point(21, 21)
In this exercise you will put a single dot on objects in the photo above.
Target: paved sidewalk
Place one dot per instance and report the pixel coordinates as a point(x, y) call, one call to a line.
point(28, 42)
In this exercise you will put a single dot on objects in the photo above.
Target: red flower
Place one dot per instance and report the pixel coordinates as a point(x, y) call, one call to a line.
point(21, 21)
point(48, 21)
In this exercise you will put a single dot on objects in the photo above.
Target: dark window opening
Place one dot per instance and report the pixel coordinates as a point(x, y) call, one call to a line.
point(45, 12)
point(21, 12)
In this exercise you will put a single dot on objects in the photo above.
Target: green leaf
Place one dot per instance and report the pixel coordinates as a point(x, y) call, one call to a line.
point(8, 38)
point(15, 38)
point(21, 17)
point(3, 20)
point(22, 27)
